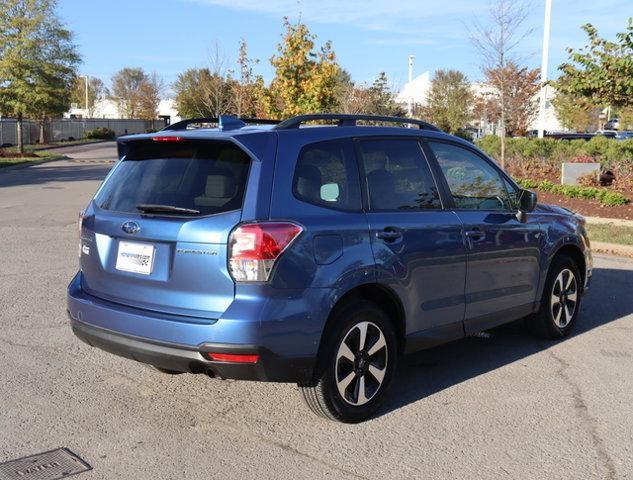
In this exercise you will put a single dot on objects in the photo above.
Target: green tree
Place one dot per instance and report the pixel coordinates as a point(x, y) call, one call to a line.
point(305, 78)
point(601, 71)
point(576, 113)
point(201, 93)
point(449, 100)
point(97, 91)
point(381, 100)
point(136, 93)
point(38, 62)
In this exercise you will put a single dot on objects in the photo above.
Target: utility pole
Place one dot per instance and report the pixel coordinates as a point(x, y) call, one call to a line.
point(410, 100)
point(544, 62)
point(86, 77)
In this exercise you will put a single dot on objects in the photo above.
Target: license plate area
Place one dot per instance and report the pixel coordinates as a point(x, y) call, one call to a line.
point(135, 257)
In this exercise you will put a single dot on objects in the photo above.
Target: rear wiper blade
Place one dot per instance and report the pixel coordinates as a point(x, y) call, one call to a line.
point(151, 208)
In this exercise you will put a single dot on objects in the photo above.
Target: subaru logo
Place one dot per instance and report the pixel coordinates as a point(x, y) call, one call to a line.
point(130, 227)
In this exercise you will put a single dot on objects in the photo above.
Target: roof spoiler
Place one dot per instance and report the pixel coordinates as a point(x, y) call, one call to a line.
point(224, 122)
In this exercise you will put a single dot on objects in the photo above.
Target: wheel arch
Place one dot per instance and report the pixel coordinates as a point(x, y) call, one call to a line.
point(574, 252)
point(377, 293)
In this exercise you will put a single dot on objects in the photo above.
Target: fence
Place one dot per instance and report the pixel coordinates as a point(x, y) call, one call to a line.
point(72, 128)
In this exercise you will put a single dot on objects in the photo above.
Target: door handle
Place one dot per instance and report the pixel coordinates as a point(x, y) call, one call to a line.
point(475, 234)
point(389, 234)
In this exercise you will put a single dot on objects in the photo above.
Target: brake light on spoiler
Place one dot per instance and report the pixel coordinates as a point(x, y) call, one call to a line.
point(255, 247)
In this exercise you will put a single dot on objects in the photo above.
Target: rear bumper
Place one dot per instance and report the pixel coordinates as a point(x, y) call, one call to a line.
point(283, 344)
point(182, 358)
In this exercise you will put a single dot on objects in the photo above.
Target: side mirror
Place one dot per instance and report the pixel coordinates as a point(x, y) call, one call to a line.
point(527, 204)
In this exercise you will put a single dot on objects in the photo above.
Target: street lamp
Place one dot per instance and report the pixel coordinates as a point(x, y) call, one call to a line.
point(544, 61)
point(86, 77)
point(410, 99)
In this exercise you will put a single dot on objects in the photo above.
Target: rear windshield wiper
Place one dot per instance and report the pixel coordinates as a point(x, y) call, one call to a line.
point(151, 208)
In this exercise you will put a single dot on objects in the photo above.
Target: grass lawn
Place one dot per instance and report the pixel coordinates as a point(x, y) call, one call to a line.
point(40, 156)
point(611, 233)
point(31, 147)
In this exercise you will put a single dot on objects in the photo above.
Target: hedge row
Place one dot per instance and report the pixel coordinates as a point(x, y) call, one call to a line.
point(609, 152)
point(101, 133)
point(606, 197)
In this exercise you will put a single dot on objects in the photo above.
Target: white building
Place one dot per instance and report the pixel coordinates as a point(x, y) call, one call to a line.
point(418, 89)
point(109, 109)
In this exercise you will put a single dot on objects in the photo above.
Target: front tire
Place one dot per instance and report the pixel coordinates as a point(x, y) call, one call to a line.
point(357, 364)
point(560, 302)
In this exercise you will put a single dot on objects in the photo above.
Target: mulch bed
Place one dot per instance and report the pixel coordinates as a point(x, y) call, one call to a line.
point(25, 155)
point(588, 208)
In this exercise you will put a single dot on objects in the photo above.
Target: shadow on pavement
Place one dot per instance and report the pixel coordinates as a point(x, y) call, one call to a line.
point(39, 174)
point(434, 370)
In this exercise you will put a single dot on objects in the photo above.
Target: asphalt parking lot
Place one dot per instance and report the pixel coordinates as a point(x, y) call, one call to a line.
point(508, 406)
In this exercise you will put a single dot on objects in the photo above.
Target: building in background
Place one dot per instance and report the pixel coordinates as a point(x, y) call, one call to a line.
point(418, 90)
point(108, 109)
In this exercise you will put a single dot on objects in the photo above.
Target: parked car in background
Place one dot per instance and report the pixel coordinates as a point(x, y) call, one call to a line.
point(317, 255)
point(624, 135)
point(613, 124)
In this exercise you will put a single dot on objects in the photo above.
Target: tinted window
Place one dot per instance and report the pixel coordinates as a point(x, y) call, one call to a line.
point(398, 177)
point(206, 176)
point(473, 182)
point(327, 175)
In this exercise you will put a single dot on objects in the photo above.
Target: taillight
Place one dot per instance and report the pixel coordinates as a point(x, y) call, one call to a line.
point(255, 247)
point(79, 227)
point(233, 357)
point(165, 138)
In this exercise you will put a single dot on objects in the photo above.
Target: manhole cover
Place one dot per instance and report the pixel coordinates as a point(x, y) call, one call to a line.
point(51, 465)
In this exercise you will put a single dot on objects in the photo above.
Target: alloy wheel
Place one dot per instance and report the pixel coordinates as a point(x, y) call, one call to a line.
point(361, 363)
point(564, 298)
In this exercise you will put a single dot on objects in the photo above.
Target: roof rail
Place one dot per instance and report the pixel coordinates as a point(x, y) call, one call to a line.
point(348, 120)
point(224, 122)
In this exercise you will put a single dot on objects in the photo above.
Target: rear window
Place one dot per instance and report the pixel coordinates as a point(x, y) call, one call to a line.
point(203, 177)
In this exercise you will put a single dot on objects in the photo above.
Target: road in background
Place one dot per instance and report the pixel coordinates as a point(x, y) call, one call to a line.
point(510, 406)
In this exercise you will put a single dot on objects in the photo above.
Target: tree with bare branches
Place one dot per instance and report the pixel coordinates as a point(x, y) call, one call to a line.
point(496, 42)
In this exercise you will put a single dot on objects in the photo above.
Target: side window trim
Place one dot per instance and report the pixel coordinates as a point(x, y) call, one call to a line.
point(502, 175)
point(347, 145)
point(443, 197)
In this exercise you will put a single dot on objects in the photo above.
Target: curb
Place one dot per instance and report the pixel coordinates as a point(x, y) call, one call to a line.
point(602, 221)
point(31, 163)
point(70, 144)
point(612, 249)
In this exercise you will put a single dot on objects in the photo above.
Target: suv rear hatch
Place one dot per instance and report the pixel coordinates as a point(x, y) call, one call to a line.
point(155, 236)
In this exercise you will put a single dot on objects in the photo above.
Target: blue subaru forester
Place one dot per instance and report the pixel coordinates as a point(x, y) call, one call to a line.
point(315, 253)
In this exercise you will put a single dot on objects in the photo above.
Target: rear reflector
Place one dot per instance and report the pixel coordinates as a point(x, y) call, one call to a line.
point(168, 139)
point(233, 357)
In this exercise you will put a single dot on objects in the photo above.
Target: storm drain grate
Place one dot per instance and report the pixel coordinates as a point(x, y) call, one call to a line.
point(50, 465)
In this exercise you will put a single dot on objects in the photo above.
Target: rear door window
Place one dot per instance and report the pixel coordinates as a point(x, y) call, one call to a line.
point(327, 175)
point(203, 177)
point(398, 176)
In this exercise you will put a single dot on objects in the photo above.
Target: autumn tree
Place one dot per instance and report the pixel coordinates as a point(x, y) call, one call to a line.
point(374, 99)
point(576, 113)
point(518, 87)
point(247, 88)
point(136, 93)
point(38, 62)
point(602, 71)
point(97, 91)
point(449, 100)
point(305, 78)
point(496, 44)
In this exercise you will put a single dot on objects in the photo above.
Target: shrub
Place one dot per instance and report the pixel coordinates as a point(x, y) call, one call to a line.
point(101, 133)
point(606, 197)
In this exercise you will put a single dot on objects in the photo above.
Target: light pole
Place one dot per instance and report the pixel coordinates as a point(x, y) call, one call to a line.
point(544, 61)
point(86, 77)
point(410, 99)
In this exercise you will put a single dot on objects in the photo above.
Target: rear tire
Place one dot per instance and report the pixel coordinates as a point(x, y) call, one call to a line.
point(560, 302)
point(356, 365)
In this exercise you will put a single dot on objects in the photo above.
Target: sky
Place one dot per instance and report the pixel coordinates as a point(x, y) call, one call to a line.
point(368, 36)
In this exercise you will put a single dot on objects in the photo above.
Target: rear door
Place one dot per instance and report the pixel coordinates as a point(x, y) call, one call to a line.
point(417, 244)
point(155, 236)
point(503, 253)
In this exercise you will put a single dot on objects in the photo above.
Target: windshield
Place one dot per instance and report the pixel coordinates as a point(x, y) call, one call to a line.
point(185, 177)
